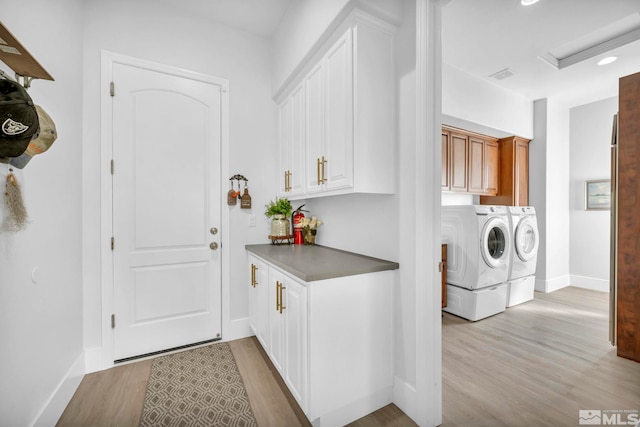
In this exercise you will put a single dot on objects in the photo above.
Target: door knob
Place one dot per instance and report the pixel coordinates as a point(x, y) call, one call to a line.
point(213, 246)
point(214, 230)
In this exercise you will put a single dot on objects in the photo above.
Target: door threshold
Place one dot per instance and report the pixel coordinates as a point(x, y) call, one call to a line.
point(168, 350)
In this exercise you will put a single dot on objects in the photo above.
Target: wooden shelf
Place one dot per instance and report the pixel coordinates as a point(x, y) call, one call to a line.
point(14, 55)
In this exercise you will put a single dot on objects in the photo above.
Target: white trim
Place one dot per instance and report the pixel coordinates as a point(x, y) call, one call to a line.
point(106, 220)
point(551, 285)
point(427, 206)
point(592, 283)
point(59, 399)
point(404, 396)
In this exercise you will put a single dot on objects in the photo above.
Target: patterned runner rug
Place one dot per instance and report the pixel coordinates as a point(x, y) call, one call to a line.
point(199, 387)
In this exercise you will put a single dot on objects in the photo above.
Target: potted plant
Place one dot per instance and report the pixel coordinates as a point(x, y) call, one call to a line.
point(279, 211)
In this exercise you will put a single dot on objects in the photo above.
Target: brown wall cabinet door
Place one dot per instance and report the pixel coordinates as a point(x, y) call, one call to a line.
point(513, 183)
point(491, 167)
point(458, 166)
point(476, 165)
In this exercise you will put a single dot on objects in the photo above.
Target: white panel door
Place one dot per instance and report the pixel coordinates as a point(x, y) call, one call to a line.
point(166, 201)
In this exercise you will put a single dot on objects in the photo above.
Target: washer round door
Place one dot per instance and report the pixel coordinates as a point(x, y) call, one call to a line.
point(495, 242)
point(526, 239)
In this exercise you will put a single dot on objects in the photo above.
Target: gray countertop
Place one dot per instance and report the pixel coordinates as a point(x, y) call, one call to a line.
point(315, 262)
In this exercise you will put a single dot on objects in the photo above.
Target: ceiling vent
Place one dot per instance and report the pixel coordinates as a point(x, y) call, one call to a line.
point(502, 74)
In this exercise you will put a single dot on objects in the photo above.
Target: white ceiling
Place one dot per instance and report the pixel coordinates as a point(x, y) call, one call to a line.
point(482, 37)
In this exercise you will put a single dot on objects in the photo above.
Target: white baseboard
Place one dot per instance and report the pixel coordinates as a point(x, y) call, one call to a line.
point(554, 284)
point(59, 399)
point(93, 360)
point(236, 329)
point(590, 283)
point(405, 398)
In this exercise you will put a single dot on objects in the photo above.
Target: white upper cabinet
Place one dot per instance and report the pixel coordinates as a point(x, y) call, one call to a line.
point(291, 136)
point(348, 143)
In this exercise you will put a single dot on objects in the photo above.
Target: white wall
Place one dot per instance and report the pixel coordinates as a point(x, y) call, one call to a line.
point(41, 323)
point(590, 156)
point(483, 105)
point(169, 36)
point(549, 192)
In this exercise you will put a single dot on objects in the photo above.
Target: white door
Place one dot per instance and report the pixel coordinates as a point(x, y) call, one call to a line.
point(166, 210)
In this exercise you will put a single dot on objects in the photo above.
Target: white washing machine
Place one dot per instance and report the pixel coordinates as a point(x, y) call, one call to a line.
point(526, 238)
point(479, 247)
point(478, 242)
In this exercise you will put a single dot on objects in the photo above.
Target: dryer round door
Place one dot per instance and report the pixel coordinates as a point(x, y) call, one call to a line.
point(526, 239)
point(495, 242)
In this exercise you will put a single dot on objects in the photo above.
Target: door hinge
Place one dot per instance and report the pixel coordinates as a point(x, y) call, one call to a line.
point(113, 243)
point(440, 267)
point(113, 321)
point(113, 167)
point(112, 89)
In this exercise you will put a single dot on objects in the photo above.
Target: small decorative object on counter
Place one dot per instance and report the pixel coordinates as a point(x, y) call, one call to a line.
point(310, 227)
point(279, 212)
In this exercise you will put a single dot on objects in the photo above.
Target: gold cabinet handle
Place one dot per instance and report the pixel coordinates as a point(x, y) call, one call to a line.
point(282, 307)
point(278, 295)
point(318, 169)
point(324, 163)
point(253, 275)
point(288, 181)
point(286, 184)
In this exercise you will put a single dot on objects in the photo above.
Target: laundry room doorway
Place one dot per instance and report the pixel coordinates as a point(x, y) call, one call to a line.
point(166, 131)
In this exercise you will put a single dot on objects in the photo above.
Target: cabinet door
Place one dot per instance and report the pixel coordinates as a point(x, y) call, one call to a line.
point(521, 196)
point(276, 349)
point(295, 324)
point(491, 167)
point(444, 180)
point(476, 165)
point(291, 139)
point(259, 300)
point(337, 169)
point(458, 165)
point(285, 141)
point(314, 128)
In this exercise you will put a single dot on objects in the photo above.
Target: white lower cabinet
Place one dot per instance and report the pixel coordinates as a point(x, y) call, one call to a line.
point(258, 297)
point(329, 340)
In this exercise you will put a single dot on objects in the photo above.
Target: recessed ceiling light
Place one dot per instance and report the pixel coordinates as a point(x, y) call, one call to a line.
point(607, 60)
point(528, 2)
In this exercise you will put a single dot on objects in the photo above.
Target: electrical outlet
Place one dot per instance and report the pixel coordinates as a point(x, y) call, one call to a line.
point(252, 220)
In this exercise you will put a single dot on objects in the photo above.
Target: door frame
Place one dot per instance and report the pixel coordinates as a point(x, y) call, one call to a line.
point(108, 59)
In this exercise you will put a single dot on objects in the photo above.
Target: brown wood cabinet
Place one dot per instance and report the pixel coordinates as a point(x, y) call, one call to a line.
point(469, 162)
point(628, 220)
point(513, 185)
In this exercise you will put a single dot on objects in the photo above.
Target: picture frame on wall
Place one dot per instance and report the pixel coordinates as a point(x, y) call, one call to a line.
point(597, 195)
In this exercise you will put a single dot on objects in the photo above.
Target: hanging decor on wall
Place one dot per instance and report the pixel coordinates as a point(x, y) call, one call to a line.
point(233, 195)
point(16, 218)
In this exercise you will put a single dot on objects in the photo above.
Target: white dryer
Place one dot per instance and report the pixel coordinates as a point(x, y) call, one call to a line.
point(478, 242)
point(526, 238)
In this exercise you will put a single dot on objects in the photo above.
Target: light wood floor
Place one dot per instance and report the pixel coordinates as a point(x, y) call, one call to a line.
point(534, 365)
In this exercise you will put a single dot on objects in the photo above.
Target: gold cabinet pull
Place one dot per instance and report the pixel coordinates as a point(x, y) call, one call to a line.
point(253, 275)
point(282, 307)
point(278, 295)
point(324, 163)
point(288, 181)
point(318, 169)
